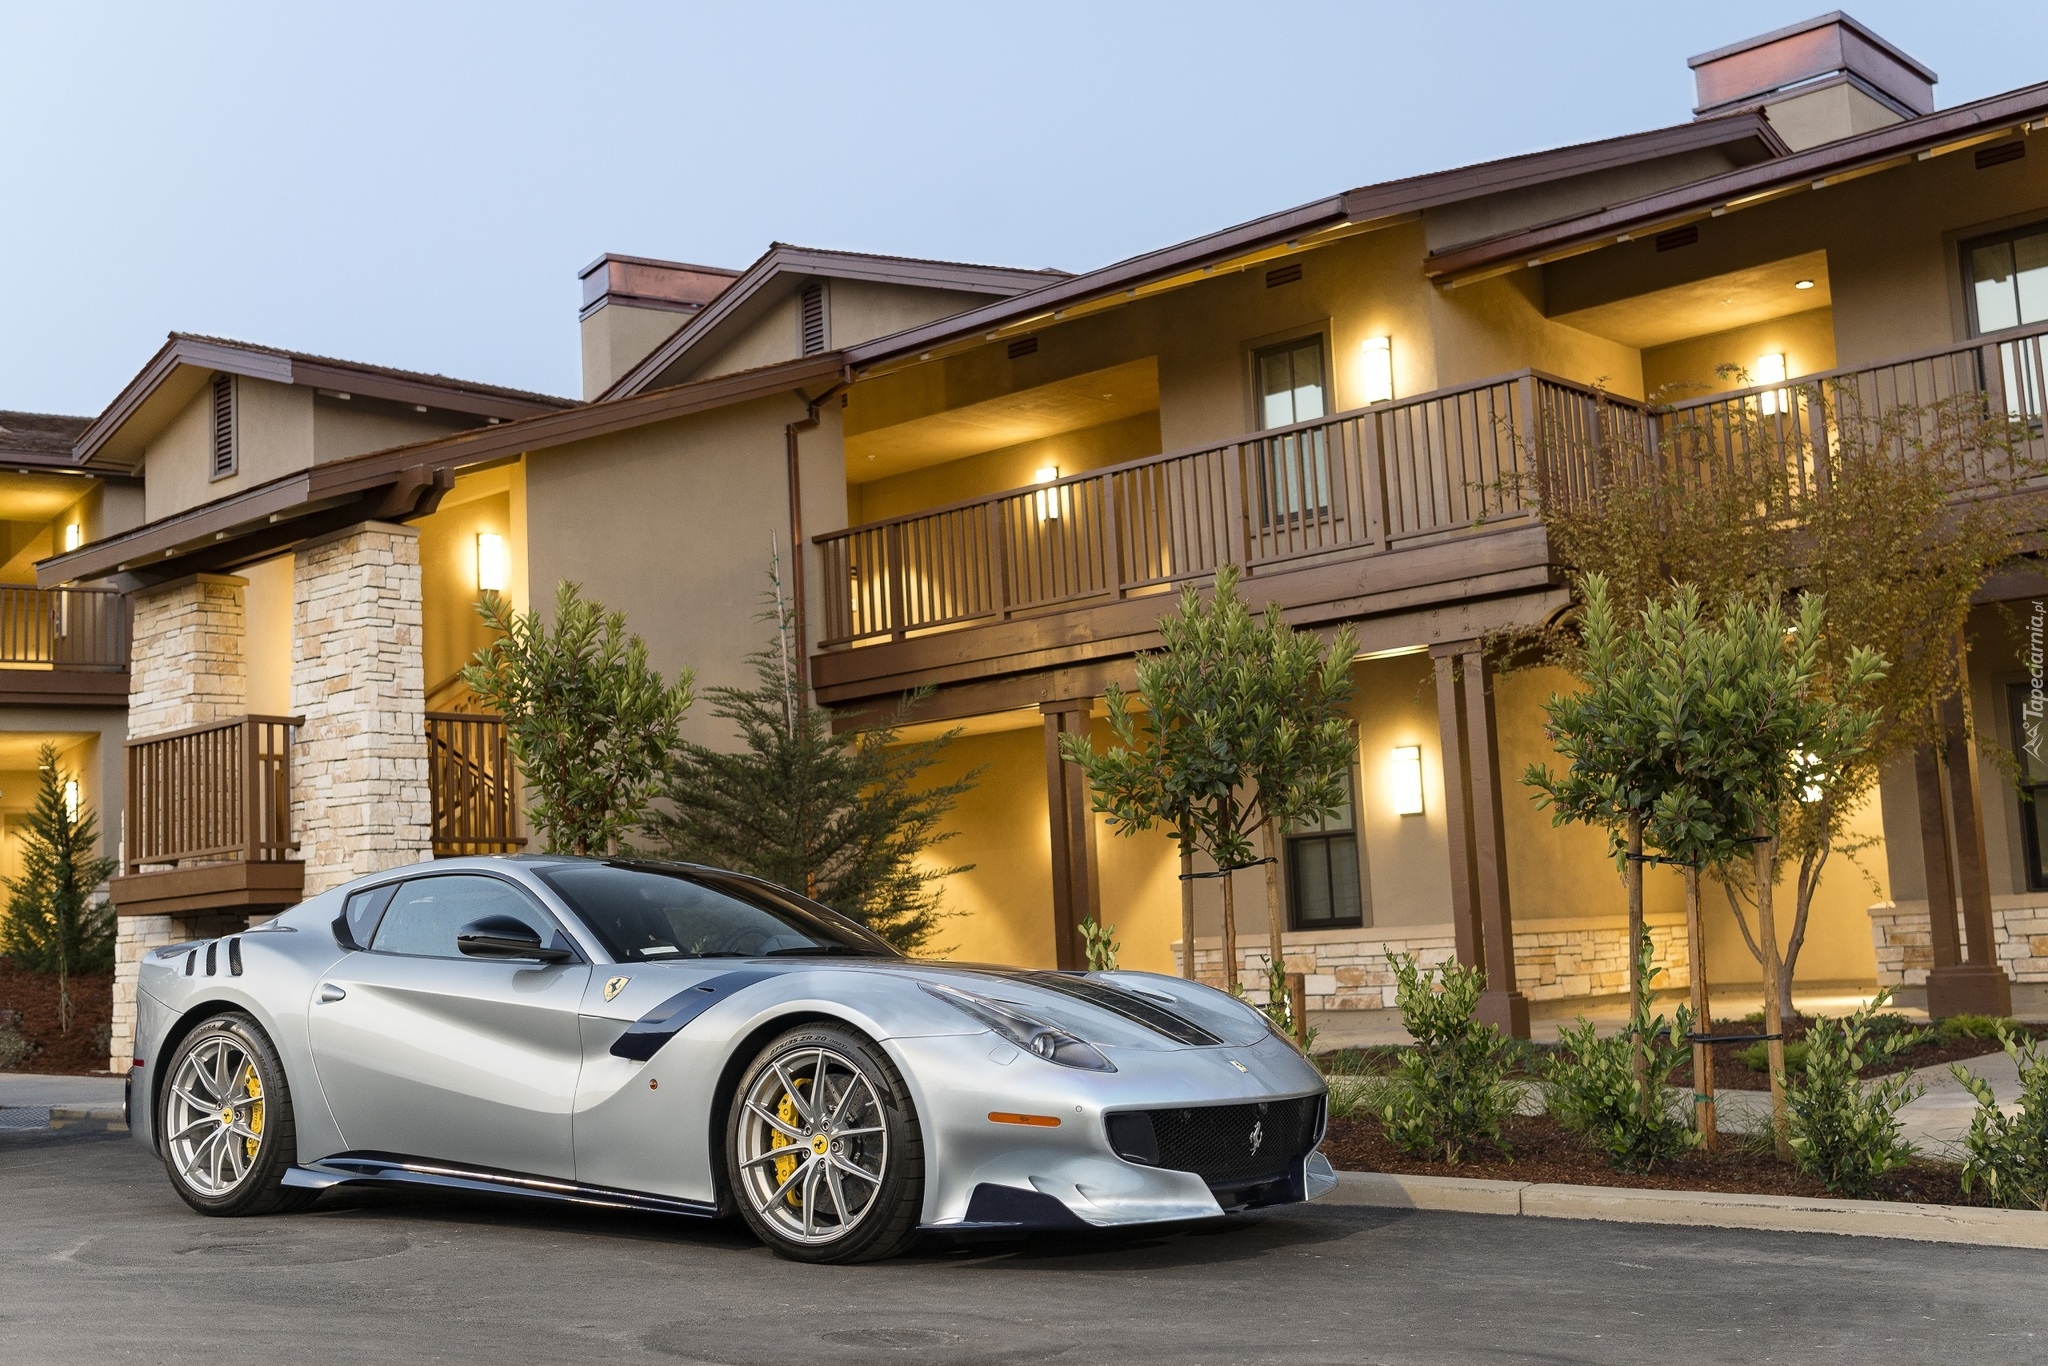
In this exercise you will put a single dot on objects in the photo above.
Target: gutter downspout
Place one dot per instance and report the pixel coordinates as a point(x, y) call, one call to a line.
point(790, 433)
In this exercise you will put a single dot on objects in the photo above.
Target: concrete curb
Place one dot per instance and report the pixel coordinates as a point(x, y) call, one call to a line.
point(97, 1119)
point(1626, 1205)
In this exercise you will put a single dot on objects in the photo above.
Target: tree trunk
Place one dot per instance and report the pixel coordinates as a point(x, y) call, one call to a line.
point(1187, 916)
point(1276, 920)
point(1641, 1059)
point(1774, 1018)
point(1702, 1011)
point(1229, 931)
point(1809, 881)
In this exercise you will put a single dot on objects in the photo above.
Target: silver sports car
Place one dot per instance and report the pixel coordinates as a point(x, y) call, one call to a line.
point(671, 1037)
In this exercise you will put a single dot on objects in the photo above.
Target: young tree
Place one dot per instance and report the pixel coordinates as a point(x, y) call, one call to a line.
point(1243, 729)
point(590, 725)
point(846, 819)
point(53, 924)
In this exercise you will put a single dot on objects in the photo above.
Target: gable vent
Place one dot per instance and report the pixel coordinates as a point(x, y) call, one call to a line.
point(1998, 153)
point(223, 426)
point(1678, 237)
point(812, 310)
point(1283, 275)
point(1022, 347)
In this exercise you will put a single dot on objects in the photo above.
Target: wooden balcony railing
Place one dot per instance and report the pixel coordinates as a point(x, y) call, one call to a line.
point(1373, 480)
point(211, 794)
point(473, 789)
point(63, 628)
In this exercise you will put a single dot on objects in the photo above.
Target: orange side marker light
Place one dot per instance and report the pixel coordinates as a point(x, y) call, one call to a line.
point(1035, 1121)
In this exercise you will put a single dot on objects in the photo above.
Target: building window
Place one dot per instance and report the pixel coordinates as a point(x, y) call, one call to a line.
point(2031, 730)
point(1322, 870)
point(1294, 469)
point(223, 461)
point(1290, 380)
point(2008, 279)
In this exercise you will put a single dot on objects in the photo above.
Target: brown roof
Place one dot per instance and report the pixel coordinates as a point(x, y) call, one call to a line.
point(40, 438)
point(1816, 167)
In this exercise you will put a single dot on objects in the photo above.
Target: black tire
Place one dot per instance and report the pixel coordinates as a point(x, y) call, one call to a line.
point(259, 1188)
point(885, 1223)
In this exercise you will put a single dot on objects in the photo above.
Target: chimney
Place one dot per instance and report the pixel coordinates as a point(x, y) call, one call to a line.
point(631, 304)
point(1819, 81)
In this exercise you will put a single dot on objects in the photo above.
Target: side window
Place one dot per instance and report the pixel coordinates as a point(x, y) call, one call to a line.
point(2008, 279)
point(1294, 469)
point(1322, 871)
point(359, 917)
point(427, 913)
point(2030, 748)
point(1290, 380)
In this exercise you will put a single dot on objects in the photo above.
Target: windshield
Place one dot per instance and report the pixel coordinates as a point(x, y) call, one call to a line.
point(645, 913)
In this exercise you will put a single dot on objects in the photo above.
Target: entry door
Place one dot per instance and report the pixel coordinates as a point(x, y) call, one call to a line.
point(426, 1053)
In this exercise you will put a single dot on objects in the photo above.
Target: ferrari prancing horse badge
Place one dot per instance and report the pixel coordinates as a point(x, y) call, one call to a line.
point(614, 986)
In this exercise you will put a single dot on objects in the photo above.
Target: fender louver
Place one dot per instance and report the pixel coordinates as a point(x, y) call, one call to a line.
point(223, 426)
point(811, 305)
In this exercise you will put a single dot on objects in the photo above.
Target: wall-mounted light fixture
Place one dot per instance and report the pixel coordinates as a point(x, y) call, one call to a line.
point(1770, 369)
point(74, 536)
point(1404, 780)
point(493, 563)
point(1376, 374)
point(71, 799)
point(1048, 499)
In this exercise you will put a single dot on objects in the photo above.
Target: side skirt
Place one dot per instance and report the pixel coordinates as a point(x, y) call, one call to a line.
point(391, 1169)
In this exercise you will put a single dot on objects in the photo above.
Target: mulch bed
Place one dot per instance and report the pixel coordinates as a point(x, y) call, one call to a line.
point(28, 1002)
point(1543, 1151)
point(1732, 1074)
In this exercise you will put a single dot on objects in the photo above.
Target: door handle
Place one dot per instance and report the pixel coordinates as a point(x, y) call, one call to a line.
point(330, 993)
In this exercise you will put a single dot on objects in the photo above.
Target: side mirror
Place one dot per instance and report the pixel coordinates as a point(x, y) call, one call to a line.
point(505, 936)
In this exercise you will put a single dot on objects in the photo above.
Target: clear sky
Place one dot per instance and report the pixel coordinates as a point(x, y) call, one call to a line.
point(417, 184)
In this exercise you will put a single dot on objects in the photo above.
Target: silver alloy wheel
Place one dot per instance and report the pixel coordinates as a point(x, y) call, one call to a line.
point(813, 1148)
point(213, 1117)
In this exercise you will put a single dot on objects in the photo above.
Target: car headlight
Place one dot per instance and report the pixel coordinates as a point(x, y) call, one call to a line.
point(1033, 1035)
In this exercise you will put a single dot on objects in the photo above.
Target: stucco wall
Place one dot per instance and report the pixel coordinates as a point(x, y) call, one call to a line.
point(452, 630)
point(268, 643)
point(1108, 443)
point(1687, 369)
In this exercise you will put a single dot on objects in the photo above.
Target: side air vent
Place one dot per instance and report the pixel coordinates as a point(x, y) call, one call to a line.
point(1678, 237)
point(1022, 347)
point(1998, 153)
point(1283, 275)
point(191, 962)
point(223, 463)
point(213, 958)
point(811, 307)
point(235, 956)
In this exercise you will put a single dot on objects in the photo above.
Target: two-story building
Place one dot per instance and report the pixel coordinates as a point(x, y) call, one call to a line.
point(998, 479)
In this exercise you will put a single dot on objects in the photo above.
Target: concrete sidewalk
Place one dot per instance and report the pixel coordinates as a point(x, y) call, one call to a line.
point(26, 1098)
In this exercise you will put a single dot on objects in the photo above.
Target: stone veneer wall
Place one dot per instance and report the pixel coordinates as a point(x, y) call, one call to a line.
point(187, 668)
point(1905, 945)
point(1347, 969)
point(359, 765)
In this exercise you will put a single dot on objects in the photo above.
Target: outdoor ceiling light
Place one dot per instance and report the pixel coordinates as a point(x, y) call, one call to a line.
point(493, 564)
point(1404, 780)
point(1048, 500)
point(1770, 369)
point(1377, 377)
point(1802, 284)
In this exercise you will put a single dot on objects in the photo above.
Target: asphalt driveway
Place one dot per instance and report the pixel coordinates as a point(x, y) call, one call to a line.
point(99, 1262)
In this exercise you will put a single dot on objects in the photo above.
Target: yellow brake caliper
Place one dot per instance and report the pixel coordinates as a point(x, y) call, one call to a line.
point(785, 1167)
point(253, 1086)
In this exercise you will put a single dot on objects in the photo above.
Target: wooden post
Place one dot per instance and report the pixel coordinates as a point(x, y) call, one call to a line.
point(1702, 1012)
point(1450, 716)
point(1501, 1004)
point(1075, 894)
point(1980, 987)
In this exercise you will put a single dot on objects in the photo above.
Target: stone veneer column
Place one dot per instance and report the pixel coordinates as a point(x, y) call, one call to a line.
point(359, 766)
point(187, 668)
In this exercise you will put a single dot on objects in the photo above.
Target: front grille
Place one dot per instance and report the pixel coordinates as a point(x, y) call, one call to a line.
point(1216, 1142)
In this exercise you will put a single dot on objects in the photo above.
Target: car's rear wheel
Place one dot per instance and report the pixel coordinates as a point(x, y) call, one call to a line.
point(823, 1149)
point(225, 1125)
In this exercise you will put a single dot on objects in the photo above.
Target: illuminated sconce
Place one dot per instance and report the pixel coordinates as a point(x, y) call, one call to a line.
point(1377, 376)
point(1770, 369)
point(1404, 780)
point(1048, 499)
point(493, 563)
point(71, 799)
point(74, 536)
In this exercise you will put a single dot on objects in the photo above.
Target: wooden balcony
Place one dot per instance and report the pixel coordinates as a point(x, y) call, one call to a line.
point(474, 791)
point(63, 646)
point(1420, 504)
point(208, 820)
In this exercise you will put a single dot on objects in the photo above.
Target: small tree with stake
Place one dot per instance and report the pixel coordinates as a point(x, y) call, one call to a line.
point(590, 725)
point(53, 924)
point(1244, 732)
point(844, 819)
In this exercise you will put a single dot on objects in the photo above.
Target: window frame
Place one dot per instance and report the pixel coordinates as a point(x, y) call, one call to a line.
point(1966, 248)
point(566, 939)
point(1291, 841)
point(2028, 792)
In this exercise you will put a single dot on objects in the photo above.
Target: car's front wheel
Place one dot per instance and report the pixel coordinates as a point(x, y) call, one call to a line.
point(823, 1149)
point(225, 1126)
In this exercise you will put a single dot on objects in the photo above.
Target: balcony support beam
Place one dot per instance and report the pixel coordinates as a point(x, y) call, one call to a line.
point(1076, 888)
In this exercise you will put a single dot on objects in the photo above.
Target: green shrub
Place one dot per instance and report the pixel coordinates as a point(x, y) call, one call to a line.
point(1354, 1088)
point(1957, 1028)
point(1101, 950)
point(15, 1050)
point(1450, 1094)
point(1843, 1130)
point(1757, 1056)
point(1593, 1090)
point(2008, 1154)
